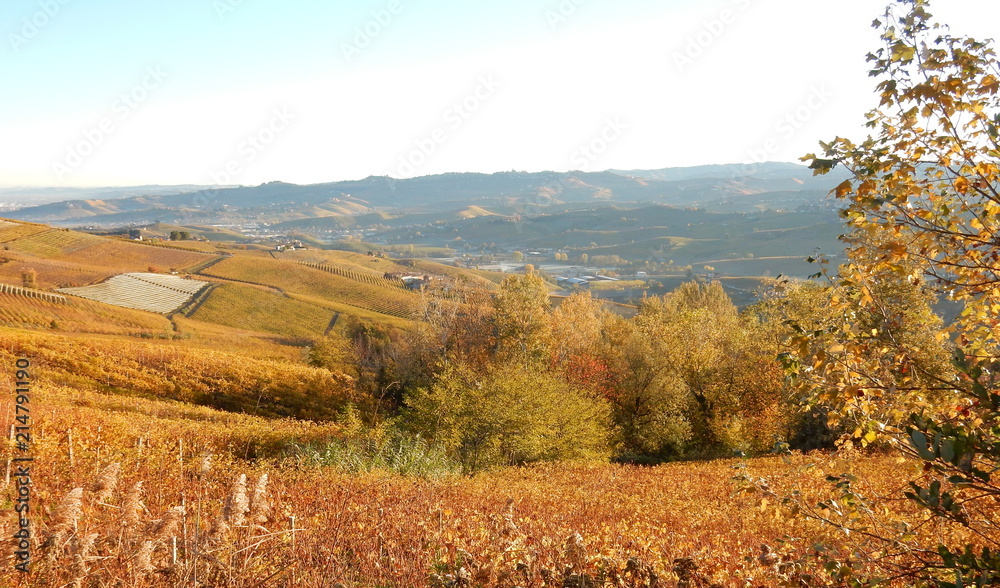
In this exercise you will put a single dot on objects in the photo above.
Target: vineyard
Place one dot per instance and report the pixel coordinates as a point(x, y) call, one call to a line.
point(113, 255)
point(478, 278)
point(340, 285)
point(346, 259)
point(194, 333)
point(11, 230)
point(249, 308)
point(223, 380)
point(365, 277)
point(141, 291)
point(54, 243)
point(554, 525)
point(73, 315)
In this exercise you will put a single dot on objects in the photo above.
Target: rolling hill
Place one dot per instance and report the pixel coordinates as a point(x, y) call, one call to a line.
point(765, 186)
point(269, 303)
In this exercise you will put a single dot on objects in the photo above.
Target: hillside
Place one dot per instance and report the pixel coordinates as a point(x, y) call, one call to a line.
point(765, 186)
point(740, 241)
point(271, 302)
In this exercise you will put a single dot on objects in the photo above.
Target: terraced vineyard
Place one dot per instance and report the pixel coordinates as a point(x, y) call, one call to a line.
point(347, 259)
point(26, 309)
point(141, 291)
point(115, 255)
point(368, 277)
point(55, 243)
point(477, 277)
point(50, 274)
point(11, 230)
point(250, 308)
point(366, 289)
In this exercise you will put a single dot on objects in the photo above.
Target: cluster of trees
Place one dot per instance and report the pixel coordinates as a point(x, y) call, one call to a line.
point(506, 377)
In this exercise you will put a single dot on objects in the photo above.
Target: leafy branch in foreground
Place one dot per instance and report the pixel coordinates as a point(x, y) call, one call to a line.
point(923, 208)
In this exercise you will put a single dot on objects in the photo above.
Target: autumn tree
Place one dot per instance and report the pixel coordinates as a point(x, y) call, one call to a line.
point(924, 202)
point(520, 318)
point(649, 399)
point(732, 385)
point(29, 278)
point(509, 414)
point(575, 342)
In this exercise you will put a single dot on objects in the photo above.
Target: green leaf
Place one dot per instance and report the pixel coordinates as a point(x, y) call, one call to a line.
point(919, 441)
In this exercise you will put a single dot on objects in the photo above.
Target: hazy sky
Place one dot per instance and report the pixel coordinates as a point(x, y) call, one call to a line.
point(126, 92)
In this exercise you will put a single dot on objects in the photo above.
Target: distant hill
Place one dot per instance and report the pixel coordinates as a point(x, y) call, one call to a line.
point(765, 186)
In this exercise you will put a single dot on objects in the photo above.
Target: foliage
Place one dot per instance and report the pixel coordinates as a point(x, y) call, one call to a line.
point(923, 202)
point(387, 451)
point(879, 337)
point(694, 374)
point(520, 307)
point(510, 414)
point(29, 278)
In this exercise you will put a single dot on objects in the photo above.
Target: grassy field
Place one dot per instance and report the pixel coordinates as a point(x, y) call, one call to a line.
point(163, 370)
point(78, 315)
point(254, 309)
point(90, 251)
point(352, 286)
point(305, 525)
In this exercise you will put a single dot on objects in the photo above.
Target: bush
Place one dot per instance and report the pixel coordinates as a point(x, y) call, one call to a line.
point(509, 415)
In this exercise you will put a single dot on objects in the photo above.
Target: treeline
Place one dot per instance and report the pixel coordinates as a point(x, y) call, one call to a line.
point(508, 378)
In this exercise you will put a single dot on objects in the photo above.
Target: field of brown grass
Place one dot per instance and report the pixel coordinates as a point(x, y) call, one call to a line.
point(206, 514)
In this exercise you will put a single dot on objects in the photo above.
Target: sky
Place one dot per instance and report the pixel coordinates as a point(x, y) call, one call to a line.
point(241, 92)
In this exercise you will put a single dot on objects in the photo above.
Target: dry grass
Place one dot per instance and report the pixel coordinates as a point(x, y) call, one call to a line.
point(149, 475)
point(223, 380)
